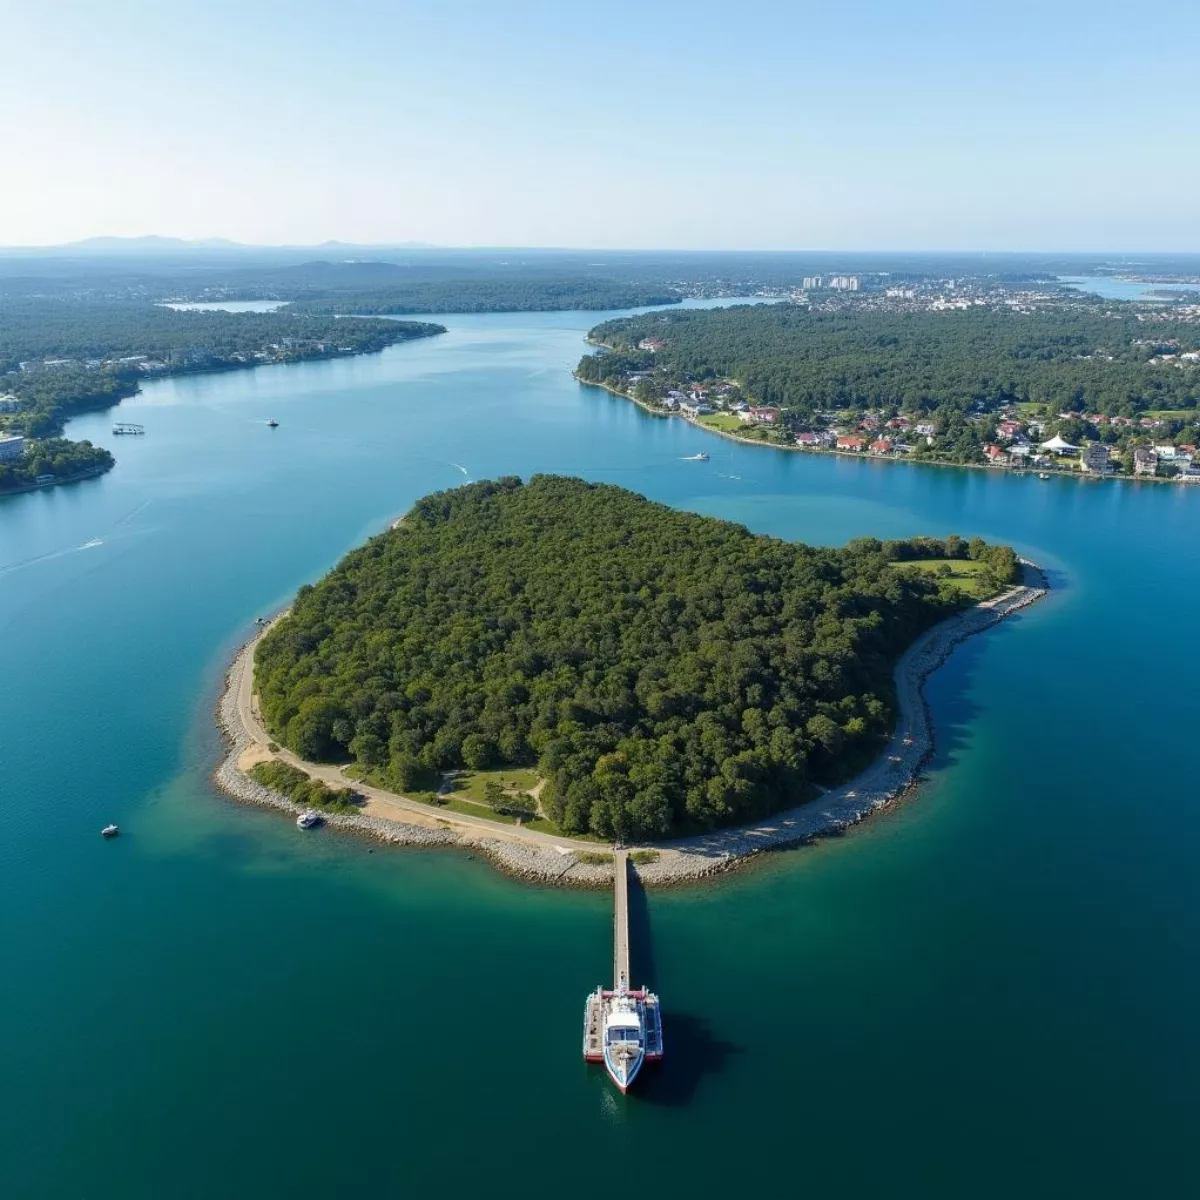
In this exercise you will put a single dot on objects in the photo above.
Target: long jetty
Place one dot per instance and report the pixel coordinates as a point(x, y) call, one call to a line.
point(621, 918)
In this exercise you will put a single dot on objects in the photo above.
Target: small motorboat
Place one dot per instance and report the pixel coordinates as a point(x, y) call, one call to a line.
point(272, 424)
point(701, 457)
point(308, 820)
point(109, 831)
point(1043, 475)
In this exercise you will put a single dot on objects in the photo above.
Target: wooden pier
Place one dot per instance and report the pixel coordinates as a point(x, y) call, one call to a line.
point(595, 1006)
point(620, 919)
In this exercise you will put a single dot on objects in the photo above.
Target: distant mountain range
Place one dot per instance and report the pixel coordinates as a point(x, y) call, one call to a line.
point(157, 244)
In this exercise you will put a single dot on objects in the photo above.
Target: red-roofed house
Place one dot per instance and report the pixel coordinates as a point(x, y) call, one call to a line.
point(881, 446)
point(850, 442)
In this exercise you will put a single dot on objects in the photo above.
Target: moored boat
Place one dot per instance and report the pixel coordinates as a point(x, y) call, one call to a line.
point(308, 820)
point(622, 1029)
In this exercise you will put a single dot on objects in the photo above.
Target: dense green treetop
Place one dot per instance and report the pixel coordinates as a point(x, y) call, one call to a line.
point(665, 671)
point(55, 457)
point(38, 328)
point(487, 295)
point(1075, 357)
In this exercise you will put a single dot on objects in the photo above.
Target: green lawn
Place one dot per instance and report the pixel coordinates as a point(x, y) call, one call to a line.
point(966, 575)
point(1174, 414)
point(470, 784)
point(723, 421)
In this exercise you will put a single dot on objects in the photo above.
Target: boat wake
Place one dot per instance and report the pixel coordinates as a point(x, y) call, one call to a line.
point(465, 473)
point(9, 568)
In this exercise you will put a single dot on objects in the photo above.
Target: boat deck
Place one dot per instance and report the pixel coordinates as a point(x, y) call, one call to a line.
point(593, 1025)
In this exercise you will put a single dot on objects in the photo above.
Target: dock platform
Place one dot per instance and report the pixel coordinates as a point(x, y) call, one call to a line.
point(595, 1005)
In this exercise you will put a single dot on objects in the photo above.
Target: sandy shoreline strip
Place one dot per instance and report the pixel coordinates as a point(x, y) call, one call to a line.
point(543, 858)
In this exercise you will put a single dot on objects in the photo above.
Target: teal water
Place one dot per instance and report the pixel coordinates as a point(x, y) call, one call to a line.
point(989, 992)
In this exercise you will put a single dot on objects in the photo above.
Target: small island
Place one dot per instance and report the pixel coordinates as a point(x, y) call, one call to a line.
point(597, 667)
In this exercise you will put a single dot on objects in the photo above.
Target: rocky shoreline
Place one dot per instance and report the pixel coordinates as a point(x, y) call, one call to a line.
point(684, 860)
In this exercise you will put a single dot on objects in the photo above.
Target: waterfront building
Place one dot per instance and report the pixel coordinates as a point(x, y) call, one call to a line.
point(1095, 458)
point(12, 447)
point(1145, 462)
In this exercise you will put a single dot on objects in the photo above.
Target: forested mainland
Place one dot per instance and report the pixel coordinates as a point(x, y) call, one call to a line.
point(943, 365)
point(63, 356)
point(665, 672)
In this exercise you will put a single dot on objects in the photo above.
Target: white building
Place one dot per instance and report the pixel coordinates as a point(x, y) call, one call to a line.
point(12, 447)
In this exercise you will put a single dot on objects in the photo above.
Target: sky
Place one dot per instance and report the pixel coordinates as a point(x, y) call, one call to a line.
point(860, 124)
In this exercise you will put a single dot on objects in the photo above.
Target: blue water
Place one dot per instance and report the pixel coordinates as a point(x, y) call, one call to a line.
point(989, 992)
point(1109, 288)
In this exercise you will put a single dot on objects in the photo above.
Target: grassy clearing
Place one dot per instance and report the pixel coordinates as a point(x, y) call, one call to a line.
point(723, 421)
point(641, 858)
point(470, 785)
point(965, 574)
point(1174, 414)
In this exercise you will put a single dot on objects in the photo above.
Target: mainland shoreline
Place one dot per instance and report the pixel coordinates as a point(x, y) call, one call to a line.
point(546, 859)
point(862, 456)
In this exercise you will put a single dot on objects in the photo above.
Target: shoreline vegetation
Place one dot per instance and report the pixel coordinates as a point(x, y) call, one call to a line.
point(639, 739)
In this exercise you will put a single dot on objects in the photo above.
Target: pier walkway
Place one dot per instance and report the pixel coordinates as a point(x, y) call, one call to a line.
point(621, 918)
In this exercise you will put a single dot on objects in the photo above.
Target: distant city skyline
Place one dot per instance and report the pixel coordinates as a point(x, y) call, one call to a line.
point(923, 126)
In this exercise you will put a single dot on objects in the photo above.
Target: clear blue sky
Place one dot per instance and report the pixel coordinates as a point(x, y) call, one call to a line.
point(906, 124)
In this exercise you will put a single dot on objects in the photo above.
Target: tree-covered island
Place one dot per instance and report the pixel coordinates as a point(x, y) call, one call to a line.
point(664, 672)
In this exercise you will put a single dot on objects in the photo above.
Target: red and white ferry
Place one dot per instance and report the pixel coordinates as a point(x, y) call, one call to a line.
point(622, 1028)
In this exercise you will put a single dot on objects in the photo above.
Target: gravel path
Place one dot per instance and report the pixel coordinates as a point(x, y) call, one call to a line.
point(542, 858)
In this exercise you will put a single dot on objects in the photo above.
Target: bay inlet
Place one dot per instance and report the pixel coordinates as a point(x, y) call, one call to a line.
point(998, 973)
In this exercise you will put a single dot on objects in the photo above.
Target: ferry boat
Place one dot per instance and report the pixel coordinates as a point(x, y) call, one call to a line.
point(622, 1029)
point(128, 429)
point(308, 820)
point(109, 831)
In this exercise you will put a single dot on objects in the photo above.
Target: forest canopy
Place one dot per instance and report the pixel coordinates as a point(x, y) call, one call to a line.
point(664, 671)
point(921, 363)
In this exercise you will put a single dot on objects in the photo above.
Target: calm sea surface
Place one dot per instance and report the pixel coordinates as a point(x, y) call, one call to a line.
point(991, 992)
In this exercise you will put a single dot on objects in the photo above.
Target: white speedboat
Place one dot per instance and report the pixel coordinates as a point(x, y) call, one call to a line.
point(701, 457)
point(308, 820)
point(109, 831)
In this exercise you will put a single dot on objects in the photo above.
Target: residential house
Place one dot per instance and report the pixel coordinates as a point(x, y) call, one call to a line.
point(808, 439)
point(881, 446)
point(993, 453)
point(1095, 459)
point(851, 442)
point(1145, 461)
